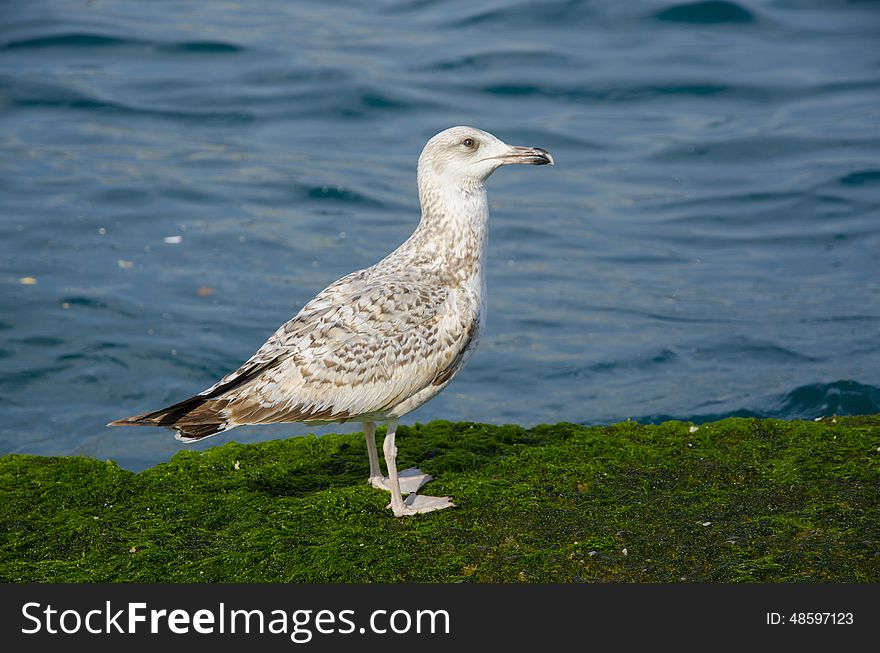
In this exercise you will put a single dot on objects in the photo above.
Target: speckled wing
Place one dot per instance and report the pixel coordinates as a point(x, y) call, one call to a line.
point(362, 346)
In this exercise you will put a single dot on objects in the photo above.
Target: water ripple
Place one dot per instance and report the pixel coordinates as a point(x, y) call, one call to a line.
point(500, 60)
point(58, 98)
point(861, 178)
point(71, 40)
point(552, 12)
point(710, 12)
point(85, 40)
point(837, 398)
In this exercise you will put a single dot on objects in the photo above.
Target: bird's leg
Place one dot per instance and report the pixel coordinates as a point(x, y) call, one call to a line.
point(375, 479)
point(414, 503)
point(410, 479)
point(390, 450)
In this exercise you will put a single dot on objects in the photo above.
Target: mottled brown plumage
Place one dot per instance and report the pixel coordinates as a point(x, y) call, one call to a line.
point(379, 342)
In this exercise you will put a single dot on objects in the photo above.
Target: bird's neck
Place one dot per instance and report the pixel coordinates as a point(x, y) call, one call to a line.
point(452, 233)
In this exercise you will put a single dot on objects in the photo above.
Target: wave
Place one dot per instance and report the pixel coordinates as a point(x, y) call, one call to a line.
point(755, 148)
point(560, 12)
point(88, 40)
point(50, 96)
point(73, 40)
point(711, 12)
point(837, 398)
point(616, 92)
point(342, 195)
point(811, 401)
point(861, 178)
point(500, 60)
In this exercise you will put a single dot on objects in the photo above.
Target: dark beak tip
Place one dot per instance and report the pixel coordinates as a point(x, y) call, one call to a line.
point(544, 157)
point(536, 156)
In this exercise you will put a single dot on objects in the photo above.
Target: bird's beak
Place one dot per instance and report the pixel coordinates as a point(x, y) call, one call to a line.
point(535, 156)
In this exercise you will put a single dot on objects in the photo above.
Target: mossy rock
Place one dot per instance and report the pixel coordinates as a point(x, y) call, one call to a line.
point(736, 500)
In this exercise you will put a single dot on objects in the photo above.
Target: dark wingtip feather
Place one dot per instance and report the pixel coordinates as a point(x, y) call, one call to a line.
point(134, 420)
point(193, 419)
point(194, 433)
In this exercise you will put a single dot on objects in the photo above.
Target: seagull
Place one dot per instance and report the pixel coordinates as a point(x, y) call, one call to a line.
point(379, 342)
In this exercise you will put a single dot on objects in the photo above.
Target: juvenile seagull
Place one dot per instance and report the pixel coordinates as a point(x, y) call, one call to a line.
point(380, 342)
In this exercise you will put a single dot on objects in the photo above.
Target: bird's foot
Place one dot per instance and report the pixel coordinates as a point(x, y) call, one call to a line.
point(415, 504)
point(410, 481)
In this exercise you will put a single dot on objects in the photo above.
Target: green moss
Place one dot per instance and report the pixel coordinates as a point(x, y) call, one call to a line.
point(736, 500)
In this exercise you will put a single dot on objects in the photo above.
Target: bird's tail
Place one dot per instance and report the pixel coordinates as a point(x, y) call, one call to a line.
point(194, 418)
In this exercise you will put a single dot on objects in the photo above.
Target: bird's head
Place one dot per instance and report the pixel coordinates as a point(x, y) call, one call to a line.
point(467, 156)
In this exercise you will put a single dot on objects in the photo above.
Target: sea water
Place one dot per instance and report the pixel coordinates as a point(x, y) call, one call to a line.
point(178, 178)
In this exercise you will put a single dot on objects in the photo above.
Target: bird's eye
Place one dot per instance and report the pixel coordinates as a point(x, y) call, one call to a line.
point(468, 142)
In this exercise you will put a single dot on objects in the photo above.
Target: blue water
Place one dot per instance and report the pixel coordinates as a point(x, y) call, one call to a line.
point(707, 244)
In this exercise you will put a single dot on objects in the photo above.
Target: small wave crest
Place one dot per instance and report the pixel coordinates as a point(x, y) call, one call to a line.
point(820, 399)
point(810, 401)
